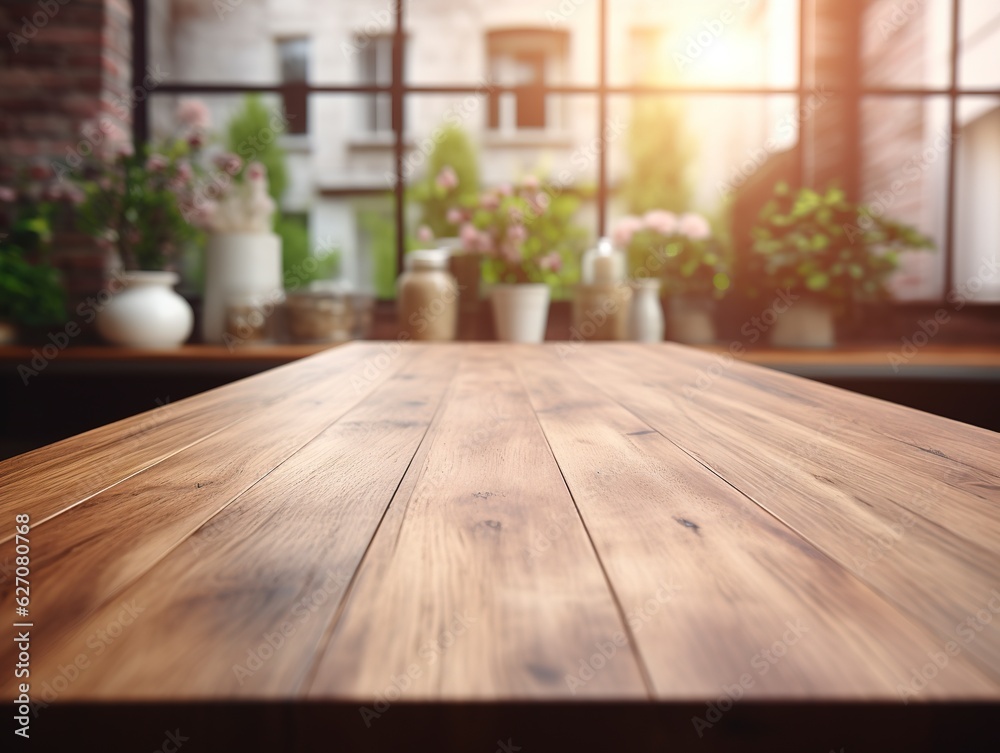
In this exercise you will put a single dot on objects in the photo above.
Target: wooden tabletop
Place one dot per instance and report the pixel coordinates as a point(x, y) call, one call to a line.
point(494, 523)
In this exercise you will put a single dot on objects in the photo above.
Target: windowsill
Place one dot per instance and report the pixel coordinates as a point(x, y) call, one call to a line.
point(366, 142)
point(296, 143)
point(528, 139)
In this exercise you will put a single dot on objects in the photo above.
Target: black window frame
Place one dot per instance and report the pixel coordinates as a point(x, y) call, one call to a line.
point(399, 90)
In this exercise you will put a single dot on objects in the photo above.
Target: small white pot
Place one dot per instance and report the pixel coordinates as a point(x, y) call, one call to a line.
point(520, 312)
point(805, 324)
point(691, 321)
point(238, 266)
point(146, 313)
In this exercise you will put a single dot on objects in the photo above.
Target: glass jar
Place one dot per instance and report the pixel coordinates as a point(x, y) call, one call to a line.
point(427, 298)
point(604, 265)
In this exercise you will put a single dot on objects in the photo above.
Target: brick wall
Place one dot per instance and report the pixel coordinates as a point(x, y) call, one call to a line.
point(63, 63)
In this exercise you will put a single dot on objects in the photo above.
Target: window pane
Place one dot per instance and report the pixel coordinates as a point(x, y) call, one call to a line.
point(553, 42)
point(906, 44)
point(979, 53)
point(977, 219)
point(205, 42)
point(904, 174)
point(709, 43)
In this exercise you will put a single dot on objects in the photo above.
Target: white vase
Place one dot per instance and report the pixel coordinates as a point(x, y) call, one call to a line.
point(806, 323)
point(238, 266)
point(645, 318)
point(691, 320)
point(146, 313)
point(520, 312)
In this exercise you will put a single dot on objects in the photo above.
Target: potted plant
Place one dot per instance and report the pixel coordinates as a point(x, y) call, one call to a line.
point(691, 262)
point(525, 235)
point(243, 254)
point(830, 255)
point(31, 295)
point(134, 205)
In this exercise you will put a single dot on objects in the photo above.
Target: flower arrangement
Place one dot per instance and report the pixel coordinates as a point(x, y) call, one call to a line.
point(692, 261)
point(822, 244)
point(236, 200)
point(524, 232)
point(135, 200)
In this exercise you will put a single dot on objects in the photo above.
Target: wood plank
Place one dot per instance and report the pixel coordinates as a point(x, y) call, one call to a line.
point(739, 578)
point(49, 480)
point(937, 577)
point(273, 564)
point(449, 596)
point(85, 556)
point(22, 354)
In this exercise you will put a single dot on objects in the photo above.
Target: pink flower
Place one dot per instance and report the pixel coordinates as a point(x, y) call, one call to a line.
point(229, 163)
point(7, 194)
point(469, 236)
point(505, 189)
point(193, 113)
point(156, 162)
point(627, 227)
point(539, 203)
point(660, 221)
point(185, 171)
point(196, 140)
point(517, 233)
point(511, 253)
point(455, 216)
point(550, 262)
point(695, 227)
point(447, 179)
point(425, 234)
point(531, 183)
point(489, 201)
point(75, 196)
point(256, 171)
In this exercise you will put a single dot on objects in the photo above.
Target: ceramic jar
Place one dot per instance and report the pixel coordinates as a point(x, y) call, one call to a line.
point(427, 297)
point(147, 313)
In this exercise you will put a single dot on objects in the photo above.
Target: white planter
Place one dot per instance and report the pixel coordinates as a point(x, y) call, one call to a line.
point(691, 321)
point(147, 313)
point(805, 324)
point(520, 312)
point(645, 318)
point(238, 266)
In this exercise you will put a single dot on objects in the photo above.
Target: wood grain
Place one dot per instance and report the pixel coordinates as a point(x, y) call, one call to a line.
point(485, 604)
point(841, 498)
point(281, 555)
point(738, 579)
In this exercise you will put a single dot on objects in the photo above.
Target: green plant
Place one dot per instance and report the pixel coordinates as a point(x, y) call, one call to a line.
point(452, 179)
point(381, 234)
point(659, 150)
point(252, 135)
point(822, 244)
point(525, 233)
point(689, 258)
point(136, 203)
point(300, 266)
point(30, 293)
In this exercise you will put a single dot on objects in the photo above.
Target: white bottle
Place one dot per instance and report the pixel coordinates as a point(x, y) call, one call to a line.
point(645, 323)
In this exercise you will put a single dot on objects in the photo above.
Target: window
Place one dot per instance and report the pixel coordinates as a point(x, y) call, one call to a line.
point(528, 60)
point(293, 60)
point(741, 93)
point(375, 61)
